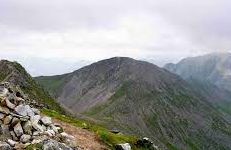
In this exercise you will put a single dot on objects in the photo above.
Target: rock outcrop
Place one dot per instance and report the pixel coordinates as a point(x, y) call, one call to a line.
point(22, 125)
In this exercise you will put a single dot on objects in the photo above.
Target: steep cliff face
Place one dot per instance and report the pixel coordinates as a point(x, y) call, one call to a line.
point(14, 73)
point(140, 98)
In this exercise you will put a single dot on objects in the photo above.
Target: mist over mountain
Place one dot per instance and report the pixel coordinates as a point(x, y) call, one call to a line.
point(140, 98)
point(214, 68)
point(209, 75)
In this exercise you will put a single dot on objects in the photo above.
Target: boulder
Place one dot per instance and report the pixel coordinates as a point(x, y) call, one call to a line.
point(21, 124)
point(30, 112)
point(125, 146)
point(146, 143)
point(67, 136)
point(27, 127)
point(35, 119)
point(18, 129)
point(54, 145)
point(11, 142)
point(4, 110)
point(2, 116)
point(3, 91)
point(7, 120)
point(37, 127)
point(36, 111)
point(5, 146)
point(4, 129)
point(46, 121)
point(14, 121)
point(21, 110)
point(25, 138)
point(13, 135)
point(9, 104)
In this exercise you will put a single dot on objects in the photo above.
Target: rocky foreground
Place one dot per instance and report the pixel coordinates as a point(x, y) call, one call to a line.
point(22, 125)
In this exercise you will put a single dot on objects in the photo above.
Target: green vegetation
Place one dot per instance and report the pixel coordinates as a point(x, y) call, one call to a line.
point(14, 72)
point(104, 134)
point(51, 84)
point(34, 147)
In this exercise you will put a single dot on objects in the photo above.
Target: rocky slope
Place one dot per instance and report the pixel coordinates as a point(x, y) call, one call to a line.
point(140, 98)
point(22, 126)
point(14, 73)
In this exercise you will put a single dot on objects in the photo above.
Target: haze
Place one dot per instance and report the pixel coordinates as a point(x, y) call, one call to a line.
point(59, 36)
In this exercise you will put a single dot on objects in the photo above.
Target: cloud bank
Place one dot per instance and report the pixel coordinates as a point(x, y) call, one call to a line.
point(73, 33)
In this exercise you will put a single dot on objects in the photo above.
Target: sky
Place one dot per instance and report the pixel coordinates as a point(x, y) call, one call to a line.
point(51, 37)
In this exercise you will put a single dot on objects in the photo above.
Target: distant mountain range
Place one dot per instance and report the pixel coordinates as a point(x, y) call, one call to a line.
point(214, 68)
point(209, 75)
point(140, 98)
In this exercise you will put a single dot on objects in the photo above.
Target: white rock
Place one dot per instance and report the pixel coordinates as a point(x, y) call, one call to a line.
point(21, 110)
point(125, 146)
point(25, 138)
point(3, 91)
point(2, 115)
point(18, 129)
point(9, 104)
point(46, 121)
point(27, 127)
point(35, 119)
point(5, 146)
point(11, 142)
point(36, 133)
point(36, 141)
point(30, 112)
point(65, 135)
point(36, 111)
point(37, 127)
point(54, 128)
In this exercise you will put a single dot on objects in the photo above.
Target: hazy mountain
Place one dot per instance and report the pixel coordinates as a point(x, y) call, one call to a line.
point(214, 68)
point(14, 73)
point(210, 75)
point(140, 98)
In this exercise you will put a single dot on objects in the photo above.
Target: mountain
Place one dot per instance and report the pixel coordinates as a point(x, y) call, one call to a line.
point(214, 68)
point(210, 75)
point(140, 98)
point(14, 73)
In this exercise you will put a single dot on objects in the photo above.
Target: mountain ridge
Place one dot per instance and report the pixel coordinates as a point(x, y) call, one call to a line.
point(140, 98)
point(14, 73)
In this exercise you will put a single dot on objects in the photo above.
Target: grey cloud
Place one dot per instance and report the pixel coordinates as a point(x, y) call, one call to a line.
point(195, 27)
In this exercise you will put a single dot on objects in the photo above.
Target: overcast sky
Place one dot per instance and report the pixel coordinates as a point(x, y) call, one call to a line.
point(57, 36)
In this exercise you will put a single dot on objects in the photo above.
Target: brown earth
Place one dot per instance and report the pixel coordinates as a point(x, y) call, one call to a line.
point(84, 138)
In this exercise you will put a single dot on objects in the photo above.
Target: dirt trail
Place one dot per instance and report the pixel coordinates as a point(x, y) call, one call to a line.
point(85, 139)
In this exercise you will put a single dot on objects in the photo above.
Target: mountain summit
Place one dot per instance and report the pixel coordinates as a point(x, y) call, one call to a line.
point(140, 98)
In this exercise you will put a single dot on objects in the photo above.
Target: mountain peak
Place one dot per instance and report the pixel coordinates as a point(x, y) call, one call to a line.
point(137, 97)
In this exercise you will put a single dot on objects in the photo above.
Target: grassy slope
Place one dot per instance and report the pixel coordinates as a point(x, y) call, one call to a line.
point(167, 126)
point(168, 116)
point(105, 135)
point(173, 116)
point(51, 84)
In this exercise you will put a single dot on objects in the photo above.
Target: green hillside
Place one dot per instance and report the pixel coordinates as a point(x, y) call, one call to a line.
point(142, 99)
